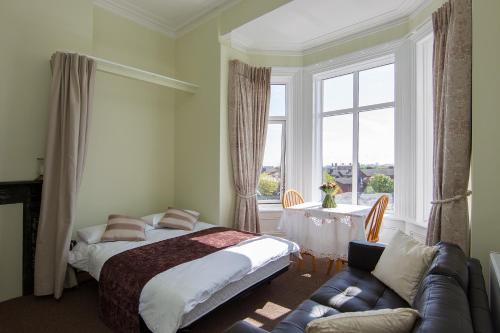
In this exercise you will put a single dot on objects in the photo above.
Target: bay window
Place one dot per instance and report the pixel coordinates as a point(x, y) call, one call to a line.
point(363, 119)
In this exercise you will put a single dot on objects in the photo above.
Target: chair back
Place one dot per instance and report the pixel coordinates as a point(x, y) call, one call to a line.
point(291, 198)
point(374, 219)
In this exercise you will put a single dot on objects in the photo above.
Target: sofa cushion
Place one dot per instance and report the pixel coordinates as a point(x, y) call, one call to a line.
point(307, 311)
point(403, 265)
point(443, 306)
point(450, 260)
point(357, 290)
point(371, 321)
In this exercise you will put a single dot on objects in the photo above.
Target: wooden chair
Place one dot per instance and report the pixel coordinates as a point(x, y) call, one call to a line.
point(374, 219)
point(292, 198)
point(373, 223)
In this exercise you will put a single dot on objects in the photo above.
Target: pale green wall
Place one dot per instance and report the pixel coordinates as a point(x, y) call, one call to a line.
point(197, 122)
point(485, 221)
point(121, 40)
point(30, 32)
point(130, 161)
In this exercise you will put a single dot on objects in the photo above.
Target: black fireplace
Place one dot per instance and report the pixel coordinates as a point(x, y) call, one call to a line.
point(28, 193)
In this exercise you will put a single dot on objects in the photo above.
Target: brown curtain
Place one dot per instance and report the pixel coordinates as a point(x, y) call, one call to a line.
point(248, 106)
point(71, 96)
point(449, 218)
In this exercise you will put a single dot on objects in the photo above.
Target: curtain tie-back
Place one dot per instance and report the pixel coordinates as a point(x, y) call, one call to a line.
point(452, 199)
point(246, 196)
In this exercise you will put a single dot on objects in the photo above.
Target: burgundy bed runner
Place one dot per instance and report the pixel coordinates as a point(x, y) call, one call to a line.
point(124, 275)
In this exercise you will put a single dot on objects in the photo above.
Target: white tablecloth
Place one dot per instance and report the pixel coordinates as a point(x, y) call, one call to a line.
point(324, 232)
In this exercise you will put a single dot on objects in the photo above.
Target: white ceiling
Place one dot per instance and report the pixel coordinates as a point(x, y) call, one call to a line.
point(304, 25)
point(168, 16)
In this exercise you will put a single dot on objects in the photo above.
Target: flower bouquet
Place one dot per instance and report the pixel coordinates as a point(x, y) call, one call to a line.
point(330, 189)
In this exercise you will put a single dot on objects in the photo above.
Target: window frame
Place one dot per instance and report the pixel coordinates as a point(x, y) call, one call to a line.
point(354, 69)
point(423, 49)
point(283, 120)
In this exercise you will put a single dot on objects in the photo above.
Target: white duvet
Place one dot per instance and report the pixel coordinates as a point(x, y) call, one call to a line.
point(167, 297)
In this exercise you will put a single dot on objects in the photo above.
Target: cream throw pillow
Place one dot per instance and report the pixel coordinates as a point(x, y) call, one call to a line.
point(375, 321)
point(124, 228)
point(403, 265)
point(176, 218)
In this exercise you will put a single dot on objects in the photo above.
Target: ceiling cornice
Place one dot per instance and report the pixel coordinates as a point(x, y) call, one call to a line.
point(237, 42)
point(150, 20)
point(138, 15)
point(382, 22)
point(204, 17)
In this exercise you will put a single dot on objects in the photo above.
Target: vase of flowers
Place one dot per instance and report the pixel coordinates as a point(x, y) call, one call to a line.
point(330, 189)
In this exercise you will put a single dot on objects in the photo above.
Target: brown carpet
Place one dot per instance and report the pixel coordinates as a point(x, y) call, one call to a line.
point(77, 310)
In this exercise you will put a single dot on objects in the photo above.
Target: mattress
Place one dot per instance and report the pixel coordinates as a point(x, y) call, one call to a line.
point(177, 297)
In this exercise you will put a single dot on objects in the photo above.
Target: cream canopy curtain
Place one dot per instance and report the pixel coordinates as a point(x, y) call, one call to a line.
point(449, 218)
point(71, 97)
point(248, 107)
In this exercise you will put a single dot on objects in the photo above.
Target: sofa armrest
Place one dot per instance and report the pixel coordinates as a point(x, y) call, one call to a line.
point(364, 255)
point(244, 327)
point(478, 299)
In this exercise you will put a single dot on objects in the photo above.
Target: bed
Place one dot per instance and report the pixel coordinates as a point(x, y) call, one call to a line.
point(177, 297)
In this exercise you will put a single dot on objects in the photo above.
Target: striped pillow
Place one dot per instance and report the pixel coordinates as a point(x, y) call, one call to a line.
point(124, 228)
point(179, 219)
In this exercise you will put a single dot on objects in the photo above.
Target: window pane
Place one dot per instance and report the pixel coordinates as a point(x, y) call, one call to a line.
point(277, 105)
point(376, 156)
point(337, 154)
point(270, 177)
point(338, 93)
point(376, 85)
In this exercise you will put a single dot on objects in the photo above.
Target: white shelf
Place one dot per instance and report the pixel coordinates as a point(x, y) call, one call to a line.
point(139, 74)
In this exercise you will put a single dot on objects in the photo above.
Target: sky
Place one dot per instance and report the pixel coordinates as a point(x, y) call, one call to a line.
point(376, 128)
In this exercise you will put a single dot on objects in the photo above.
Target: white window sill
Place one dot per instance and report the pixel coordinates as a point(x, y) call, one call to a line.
point(392, 217)
point(264, 208)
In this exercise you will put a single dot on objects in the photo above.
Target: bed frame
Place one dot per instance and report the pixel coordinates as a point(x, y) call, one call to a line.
point(245, 292)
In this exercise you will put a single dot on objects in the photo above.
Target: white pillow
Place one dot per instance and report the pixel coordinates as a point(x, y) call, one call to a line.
point(373, 321)
point(93, 234)
point(403, 264)
point(153, 219)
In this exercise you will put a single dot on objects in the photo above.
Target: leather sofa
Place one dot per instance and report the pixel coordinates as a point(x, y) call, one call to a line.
point(451, 297)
